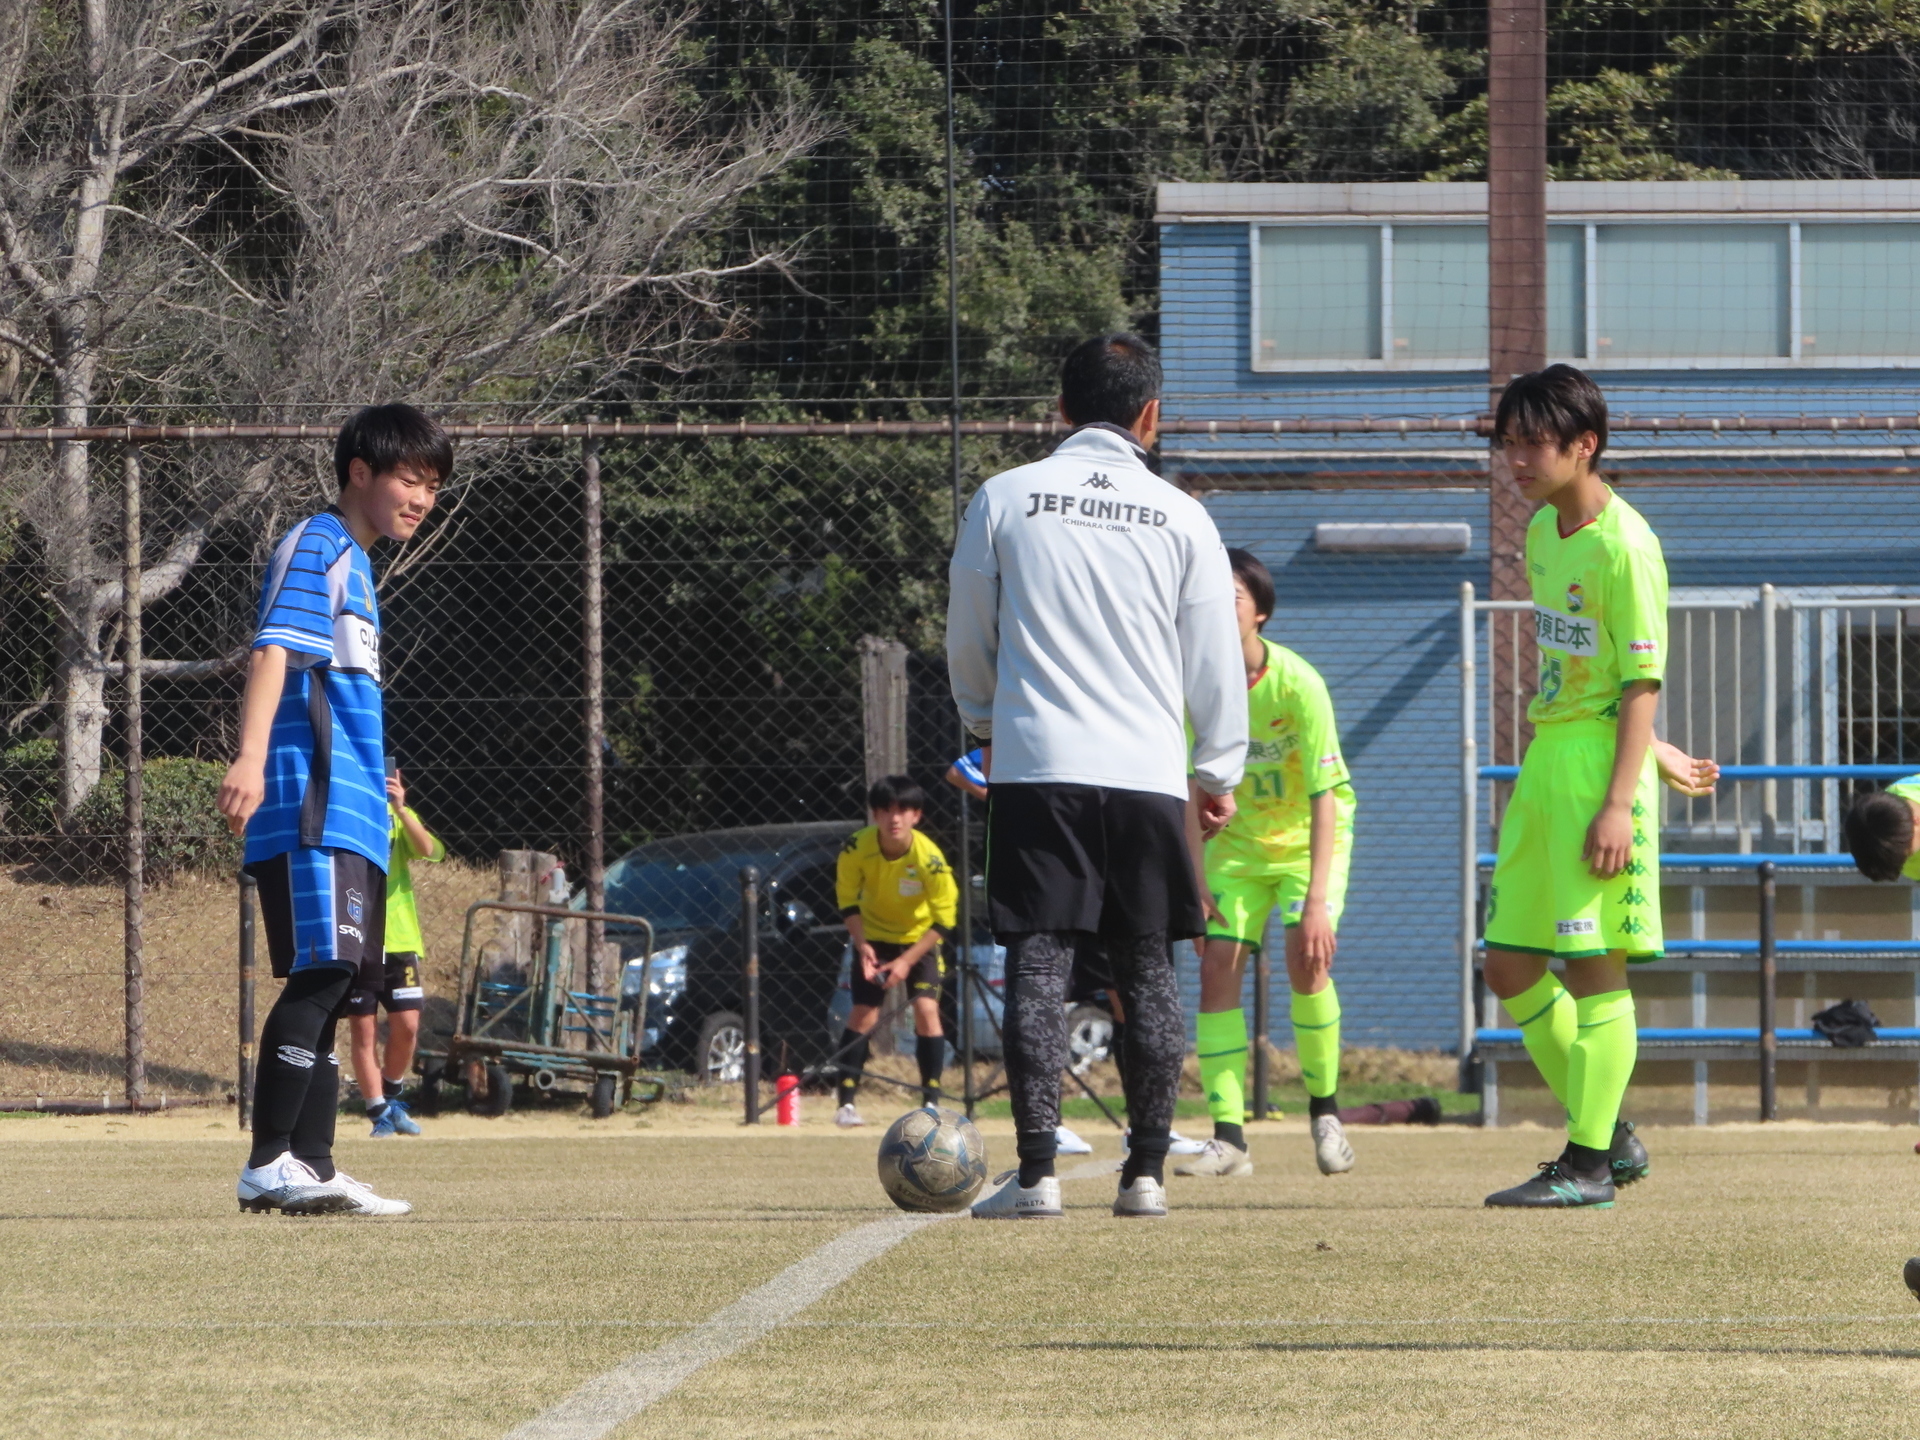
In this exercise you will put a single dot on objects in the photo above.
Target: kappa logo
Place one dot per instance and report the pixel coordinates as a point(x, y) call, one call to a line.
point(356, 906)
point(1098, 481)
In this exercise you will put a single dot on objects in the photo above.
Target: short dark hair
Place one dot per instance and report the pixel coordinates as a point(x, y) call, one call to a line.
point(1110, 378)
point(1249, 571)
point(1558, 403)
point(1879, 831)
point(389, 436)
point(896, 792)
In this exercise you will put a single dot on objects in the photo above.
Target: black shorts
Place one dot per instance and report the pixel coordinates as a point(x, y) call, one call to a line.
point(1087, 857)
point(322, 907)
point(399, 990)
point(923, 981)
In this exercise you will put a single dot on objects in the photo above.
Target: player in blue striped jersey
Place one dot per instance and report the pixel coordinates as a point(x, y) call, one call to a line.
point(309, 792)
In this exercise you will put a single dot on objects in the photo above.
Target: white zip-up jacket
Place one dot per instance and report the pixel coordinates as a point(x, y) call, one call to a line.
point(1091, 612)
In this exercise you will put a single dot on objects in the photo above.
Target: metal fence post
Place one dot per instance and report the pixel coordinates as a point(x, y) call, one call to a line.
point(1469, 833)
point(750, 984)
point(248, 890)
point(592, 618)
point(132, 653)
point(1769, 718)
point(964, 959)
point(1769, 1091)
point(1262, 1019)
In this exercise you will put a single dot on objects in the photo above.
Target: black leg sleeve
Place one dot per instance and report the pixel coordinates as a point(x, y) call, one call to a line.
point(1155, 1043)
point(313, 1131)
point(291, 1052)
point(1038, 966)
point(853, 1048)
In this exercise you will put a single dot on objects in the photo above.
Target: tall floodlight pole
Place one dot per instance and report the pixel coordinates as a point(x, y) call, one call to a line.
point(1516, 305)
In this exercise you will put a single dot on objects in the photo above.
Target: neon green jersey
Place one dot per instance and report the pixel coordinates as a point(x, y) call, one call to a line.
point(1599, 611)
point(1908, 789)
point(403, 921)
point(1293, 754)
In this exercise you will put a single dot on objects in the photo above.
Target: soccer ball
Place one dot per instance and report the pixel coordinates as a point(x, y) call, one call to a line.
point(932, 1159)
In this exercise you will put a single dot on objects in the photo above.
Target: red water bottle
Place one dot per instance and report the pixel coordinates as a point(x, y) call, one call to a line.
point(788, 1087)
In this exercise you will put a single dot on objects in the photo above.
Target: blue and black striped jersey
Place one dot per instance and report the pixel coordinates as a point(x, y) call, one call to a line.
point(326, 776)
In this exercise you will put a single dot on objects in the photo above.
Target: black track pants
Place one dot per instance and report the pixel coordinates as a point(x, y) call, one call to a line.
point(1039, 966)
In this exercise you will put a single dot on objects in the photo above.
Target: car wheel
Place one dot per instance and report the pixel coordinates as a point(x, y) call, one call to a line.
point(1089, 1037)
point(604, 1088)
point(720, 1054)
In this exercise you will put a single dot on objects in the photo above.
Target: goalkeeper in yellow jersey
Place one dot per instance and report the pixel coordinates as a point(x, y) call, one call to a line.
point(1288, 847)
point(896, 894)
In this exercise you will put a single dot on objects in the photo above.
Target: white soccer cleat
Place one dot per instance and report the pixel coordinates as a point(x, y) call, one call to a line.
point(1065, 1142)
point(1012, 1201)
point(1144, 1199)
point(273, 1185)
point(847, 1118)
point(365, 1202)
point(1217, 1157)
point(1330, 1148)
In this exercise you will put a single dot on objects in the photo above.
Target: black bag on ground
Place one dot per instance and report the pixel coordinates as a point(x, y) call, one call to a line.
point(1850, 1024)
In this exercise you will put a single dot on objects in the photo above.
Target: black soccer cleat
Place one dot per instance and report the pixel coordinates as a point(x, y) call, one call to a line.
point(1912, 1276)
point(1555, 1188)
point(1627, 1157)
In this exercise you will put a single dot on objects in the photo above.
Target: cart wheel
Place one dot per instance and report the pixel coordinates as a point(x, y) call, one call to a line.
point(604, 1087)
point(499, 1091)
point(430, 1090)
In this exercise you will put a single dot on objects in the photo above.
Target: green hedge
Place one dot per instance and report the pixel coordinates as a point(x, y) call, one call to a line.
point(184, 831)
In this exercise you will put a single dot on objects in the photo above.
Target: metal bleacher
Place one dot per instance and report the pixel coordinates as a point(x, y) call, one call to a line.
point(1764, 1043)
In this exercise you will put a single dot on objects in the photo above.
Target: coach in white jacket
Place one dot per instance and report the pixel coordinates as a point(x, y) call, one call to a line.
point(1091, 619)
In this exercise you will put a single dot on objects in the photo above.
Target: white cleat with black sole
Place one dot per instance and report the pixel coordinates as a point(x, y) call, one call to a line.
point(1330, 1148)
point(365, 1202)
point(1013, 1201)
point(1144, 1199)
point(1218, 1158)
point(288, 1182)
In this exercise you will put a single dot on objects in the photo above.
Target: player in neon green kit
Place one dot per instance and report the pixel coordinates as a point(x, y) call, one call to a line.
point(1289, 846)
point(1578, 874)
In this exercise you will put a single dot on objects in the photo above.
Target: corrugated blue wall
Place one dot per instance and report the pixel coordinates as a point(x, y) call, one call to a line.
point(1383, 630)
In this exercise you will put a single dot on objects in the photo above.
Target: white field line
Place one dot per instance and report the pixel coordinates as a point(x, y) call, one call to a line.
point(616, 1396)
point(1329, 1322)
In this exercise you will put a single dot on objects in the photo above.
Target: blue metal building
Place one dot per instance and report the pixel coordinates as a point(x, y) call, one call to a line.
point(1722, 298)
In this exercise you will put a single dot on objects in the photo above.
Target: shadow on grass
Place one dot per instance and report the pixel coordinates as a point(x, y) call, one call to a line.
point(109, 1067)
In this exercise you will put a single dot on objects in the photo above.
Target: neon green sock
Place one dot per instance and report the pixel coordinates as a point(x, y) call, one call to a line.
point(1548, 1024)
point(1316, 1039)
point(1221, 1037)
point(1599, 1066)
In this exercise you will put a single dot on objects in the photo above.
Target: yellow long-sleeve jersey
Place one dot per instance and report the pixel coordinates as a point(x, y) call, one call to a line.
point(897, 900)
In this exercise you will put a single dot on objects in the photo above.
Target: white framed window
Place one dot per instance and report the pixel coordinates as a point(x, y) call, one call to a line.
point(1681, 292)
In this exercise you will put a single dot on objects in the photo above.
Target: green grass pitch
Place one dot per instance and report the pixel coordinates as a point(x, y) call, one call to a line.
point(1750, 1288)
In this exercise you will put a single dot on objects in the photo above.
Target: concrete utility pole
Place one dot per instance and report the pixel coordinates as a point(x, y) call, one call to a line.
point(1516, 308)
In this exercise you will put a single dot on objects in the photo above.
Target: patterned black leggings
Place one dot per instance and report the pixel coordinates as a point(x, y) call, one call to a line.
point(1040, 966)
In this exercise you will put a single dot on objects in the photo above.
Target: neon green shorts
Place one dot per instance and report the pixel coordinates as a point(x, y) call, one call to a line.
point(1247, 888)
point(1544, 900)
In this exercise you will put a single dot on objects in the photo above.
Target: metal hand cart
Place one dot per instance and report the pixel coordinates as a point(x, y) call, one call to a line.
point(505, 1031)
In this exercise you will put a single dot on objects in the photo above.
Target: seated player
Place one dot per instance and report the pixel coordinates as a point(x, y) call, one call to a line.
point(1289, 846)
point(382, 1078)
point(897, 896)
point(1881, 832)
